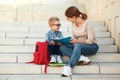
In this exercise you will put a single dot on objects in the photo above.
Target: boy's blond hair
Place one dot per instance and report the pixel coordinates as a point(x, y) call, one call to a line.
point(52, 20)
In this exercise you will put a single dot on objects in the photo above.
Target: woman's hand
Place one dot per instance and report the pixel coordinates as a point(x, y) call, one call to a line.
point(78, 41)
point(73, 41)
point(52, 42)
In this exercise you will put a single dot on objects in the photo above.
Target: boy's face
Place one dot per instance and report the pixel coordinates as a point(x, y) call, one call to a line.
point(55, 26)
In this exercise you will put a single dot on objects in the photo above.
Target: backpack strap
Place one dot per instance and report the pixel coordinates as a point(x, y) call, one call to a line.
point(48, 57)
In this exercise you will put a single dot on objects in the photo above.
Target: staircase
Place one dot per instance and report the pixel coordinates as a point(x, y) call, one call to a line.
point(17, 44)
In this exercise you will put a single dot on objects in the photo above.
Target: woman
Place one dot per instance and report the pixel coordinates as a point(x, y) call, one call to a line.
point(83, 40)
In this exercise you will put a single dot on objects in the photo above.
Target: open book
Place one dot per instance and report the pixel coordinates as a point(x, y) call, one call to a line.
point(64, 41)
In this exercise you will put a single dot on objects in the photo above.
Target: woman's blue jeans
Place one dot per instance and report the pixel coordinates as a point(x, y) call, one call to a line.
point(75, 51)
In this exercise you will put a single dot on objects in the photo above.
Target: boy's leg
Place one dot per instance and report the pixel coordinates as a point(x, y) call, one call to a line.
point(58, 50)
point(51, 49)
point(52, 53)
point(59, 54)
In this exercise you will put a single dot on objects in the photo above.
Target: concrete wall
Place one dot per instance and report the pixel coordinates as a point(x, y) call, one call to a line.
point(105, 10)
point(35, 10)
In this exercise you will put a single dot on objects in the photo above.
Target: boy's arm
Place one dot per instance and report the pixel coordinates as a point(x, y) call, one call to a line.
point(60, 36)
point(47, 37)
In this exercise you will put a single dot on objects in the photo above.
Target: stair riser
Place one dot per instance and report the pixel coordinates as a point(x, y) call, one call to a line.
point(30, 41)
point(42, 34)
point(31, 49)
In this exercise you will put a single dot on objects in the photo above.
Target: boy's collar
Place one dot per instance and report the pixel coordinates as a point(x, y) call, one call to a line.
point(53, 31)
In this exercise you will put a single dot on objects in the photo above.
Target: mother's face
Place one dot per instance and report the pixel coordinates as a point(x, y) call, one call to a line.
point(73, 19)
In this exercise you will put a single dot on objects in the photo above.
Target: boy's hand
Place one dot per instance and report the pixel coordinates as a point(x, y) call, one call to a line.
point(59, 43)
point(52, 42)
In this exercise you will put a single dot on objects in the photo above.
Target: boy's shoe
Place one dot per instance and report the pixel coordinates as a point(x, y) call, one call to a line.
point(53, 59)
point(59, 59)
point(84, 60)
point(67, 71)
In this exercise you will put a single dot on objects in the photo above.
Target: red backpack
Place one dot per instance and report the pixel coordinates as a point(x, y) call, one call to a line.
point(41, 54)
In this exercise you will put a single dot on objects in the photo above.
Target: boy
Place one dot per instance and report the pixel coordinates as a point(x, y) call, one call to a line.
point(53, 34)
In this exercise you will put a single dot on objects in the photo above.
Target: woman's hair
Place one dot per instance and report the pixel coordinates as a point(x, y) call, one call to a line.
point(74, 11)
point(52, 20)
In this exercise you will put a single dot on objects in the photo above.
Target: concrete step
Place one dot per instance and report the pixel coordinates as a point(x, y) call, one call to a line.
point(25, 34)
point(99, 40)
point(102, 34)
point(14, 29)
point(18, 58)
point(2, 34)
point(65, 27)
point(100, 28)
point(105, 41)
point(97, 23)
point(96, 77)
point(41, 28)
point(12, 42)
point(93, 68)
point(42, 34)
point(33, 77)
point(30, 41)
point(28, 49)
point(58, 77)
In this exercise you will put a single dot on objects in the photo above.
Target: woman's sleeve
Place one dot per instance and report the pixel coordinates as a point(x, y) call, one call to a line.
point(91, 35)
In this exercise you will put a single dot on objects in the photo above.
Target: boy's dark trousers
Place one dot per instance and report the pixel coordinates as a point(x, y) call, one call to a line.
point(54, 50)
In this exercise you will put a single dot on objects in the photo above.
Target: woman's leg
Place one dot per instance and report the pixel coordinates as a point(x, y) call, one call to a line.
point(88, 49)
point(67, 49)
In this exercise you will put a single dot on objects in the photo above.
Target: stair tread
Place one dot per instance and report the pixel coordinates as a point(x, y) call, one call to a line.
point(56, 77)
point(10, 57)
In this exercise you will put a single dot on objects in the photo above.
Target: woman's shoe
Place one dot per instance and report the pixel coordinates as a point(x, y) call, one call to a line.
point(84, 60)
point(67, 71)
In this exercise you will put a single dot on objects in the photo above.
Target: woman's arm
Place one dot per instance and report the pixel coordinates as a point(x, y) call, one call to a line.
point(78, 41)
point(90, 37)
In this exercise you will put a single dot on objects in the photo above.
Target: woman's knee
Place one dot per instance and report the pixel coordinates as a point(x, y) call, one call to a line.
point(78, 45)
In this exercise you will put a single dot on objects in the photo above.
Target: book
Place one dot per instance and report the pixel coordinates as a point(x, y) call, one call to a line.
point(56, 64)
point(64, 41)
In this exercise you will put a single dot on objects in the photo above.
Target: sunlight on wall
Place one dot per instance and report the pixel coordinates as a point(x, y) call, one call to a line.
point(6, 1)
point(16, 3)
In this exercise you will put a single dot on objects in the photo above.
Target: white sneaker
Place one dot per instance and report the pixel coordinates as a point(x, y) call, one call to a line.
point(84, 60)
point(53, 59)
point(59, 60)
point(67, 71)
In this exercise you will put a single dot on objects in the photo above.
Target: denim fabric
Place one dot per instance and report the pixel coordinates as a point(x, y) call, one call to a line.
point(75, 51)
point(54, 50)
